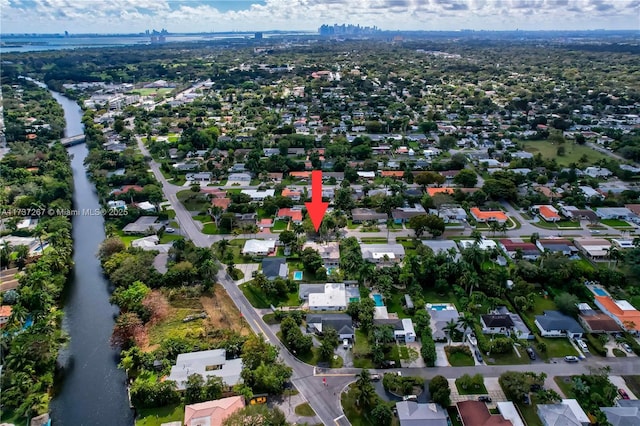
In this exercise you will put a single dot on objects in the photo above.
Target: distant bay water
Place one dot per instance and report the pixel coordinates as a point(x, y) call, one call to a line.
point(36, 43)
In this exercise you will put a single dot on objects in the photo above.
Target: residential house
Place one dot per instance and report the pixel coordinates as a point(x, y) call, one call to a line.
point(342, 323)
point(366, 175)
point(625, 413)
point(623, 244)
point(143, 225)
point(567, 413)
point(126, 188)
point(275, 267)
point(291, 194)
point(557, 324)
point(510, 412)
point(394, 174)
point(589, 192)
point(403, 329)
point(333, 298)
point(548, 213)
point(620, 213)
point(635, 208)
point(443, 246)
point(329, 251)
point(594, 248)
point(383, 253)
point(483, 244)
point(302, 175)
point(595, 321)
point(244, 219)
point(496, 324)
point(476, 413)
point(206, 364)
point(411, 413)
point(440, 190)
point(575, 213)
point(117, 204)
point(223, 203)
point(212, 413)
point(367, 215)
point(621, 311)
point(5, 314)
point(450, 213)
point(557, 245)
point(203, 177)
point(597, 172)
point(528, 251)
point(404, 214)
point(259, 247)
point(293, 214)
point(239, 177)
point(519, 328)
point(441, 314)
point(488, 216)
point(146, 206)
point(258, 195)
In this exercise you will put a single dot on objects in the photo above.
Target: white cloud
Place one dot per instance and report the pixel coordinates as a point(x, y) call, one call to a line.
point(113, 16)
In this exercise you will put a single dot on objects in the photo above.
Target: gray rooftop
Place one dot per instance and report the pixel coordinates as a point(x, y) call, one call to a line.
point(142, 224)
point(414, 414)
point(627, 413)
point(555, 320)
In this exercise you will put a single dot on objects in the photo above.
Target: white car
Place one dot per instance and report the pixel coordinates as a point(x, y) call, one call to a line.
point(170, 230)
point(345, 344)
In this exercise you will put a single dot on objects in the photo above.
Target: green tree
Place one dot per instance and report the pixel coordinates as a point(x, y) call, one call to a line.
point(258, 415)
point(440, 391)
point(130, 298)
point(382, 415)
point(567, 303)
point(466, 178)
point(193, 389)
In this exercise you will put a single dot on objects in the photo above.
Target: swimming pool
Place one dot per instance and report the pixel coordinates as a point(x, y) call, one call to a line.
point(438, 307)
point(599, 291)
point(297, 275)
point(377, 298)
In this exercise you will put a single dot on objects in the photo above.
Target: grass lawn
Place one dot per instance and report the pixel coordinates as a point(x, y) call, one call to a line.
point(529, 413)
point(573, 152)
point(460, 359)
point(615, 223)
point(193, 202)
point(361, 351)
point(542, 304)
point(565, 384)
point(633, 382)
point(235, 246)
point(279, 225)
point(507, 359)
point(261, 301)
point(619, 353)
point(403, 351)
point(355, 415)
point(568, 224)
point(558, 347)
point(373, 240)
point(152, 91)
point(167, 238)
point(270, 319)
point(351, 225)
point(305, 410)
point(158, 416)
point(126, 239)
point(431, 296)
point(482, 390)
point(395, 305)
point(454, 416)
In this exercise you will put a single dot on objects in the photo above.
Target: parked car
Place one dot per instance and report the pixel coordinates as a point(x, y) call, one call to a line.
point(582, 345)
point(170, 230)
point(623, 393)
point(345, 344)
point(388, 364)
point(484, 398)
point(531, 353)
point(526, 399)
point(571, 358)
point(627, 347)
point(375, 377)
point(478, 355)
point(413, 398)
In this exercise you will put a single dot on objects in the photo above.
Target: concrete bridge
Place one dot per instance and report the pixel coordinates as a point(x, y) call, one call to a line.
point(72, 140)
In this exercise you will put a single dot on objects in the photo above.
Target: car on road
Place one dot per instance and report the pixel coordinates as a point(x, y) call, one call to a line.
point(595, 231)
point(531, 353)
point(627, 347)
point(571, 358)
point(170, 230)
point(623, 393)
point(375, 377)
point(484, 398)
point(478, 355)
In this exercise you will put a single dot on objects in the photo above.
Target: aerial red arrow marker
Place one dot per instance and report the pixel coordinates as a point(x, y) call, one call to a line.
point(316, 208)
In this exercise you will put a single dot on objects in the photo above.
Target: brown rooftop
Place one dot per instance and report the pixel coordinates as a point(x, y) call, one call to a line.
point(476, 413)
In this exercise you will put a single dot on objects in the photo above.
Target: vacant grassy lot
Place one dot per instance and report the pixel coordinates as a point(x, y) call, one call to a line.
point(305, 410)
point(573, 152)
point(194, 201)
point(482, 390)
point(152, 91)
point(158, 416)
point(633, 382)
point(558, 347)
point(260, 300)
point(616, 223)
point(355, 415)
point(459, 359)
point(508, 358)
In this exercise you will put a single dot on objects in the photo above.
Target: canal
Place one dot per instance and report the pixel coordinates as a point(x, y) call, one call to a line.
point(93, 389)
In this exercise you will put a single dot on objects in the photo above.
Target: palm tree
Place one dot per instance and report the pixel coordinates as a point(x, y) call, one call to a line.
point(450, 327)
point(367, 271)
point(466, 321)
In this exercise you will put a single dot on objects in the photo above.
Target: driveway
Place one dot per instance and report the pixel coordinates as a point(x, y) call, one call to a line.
point(441, 355)
point(493, 390)
point(346, 354)
point(247, 269)
point(417, 362)
point(619, 382)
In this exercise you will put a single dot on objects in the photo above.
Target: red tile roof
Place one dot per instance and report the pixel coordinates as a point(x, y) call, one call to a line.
point(5, 311)
point(476, 413)
point(631, 318)
point(127, 188)
point(392, 173)
point(223, 203)
point(441, 190)
point(295, 215)
point(548, 213)
point(488, 215)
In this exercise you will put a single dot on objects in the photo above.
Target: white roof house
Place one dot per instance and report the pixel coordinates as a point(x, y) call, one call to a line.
point(334, 298)
point(330, 252)
point(509, 412)
point(567, 413)
point(146, 206)
point(590, 192)
point(259, 247)
point(258, 195)
point(207, 364)
point(367, 175)
point(482, 245)
point(378, 253)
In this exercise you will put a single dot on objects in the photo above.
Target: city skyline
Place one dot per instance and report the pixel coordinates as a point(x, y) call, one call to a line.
point(182, 16)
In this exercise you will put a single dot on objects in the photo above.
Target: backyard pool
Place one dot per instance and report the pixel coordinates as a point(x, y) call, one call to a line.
point(438, 307)
point(599, 291)
point(377, 298)
point(297, 275)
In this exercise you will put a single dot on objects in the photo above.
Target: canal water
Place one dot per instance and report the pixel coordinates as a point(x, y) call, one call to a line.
point(93, 389)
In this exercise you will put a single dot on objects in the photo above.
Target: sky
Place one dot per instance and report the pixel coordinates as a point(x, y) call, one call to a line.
point(134, 16)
